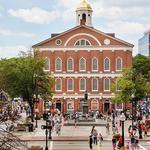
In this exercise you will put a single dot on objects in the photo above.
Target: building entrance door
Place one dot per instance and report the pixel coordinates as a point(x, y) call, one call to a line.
point(106, 107)
point(85, 109)
point(58, 106)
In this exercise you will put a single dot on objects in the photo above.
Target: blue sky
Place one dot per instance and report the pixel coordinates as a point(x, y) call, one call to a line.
point(24, 23)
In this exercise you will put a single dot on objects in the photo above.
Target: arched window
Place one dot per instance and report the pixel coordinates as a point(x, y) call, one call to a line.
point(58, 64)
point(47, 64)
point(70, 84)
point(94, 105)
point(94, 84)
point(58, 84)
point(82, 64)
point(118, 64)
point(82, 84)
point(84, 17)
point(82, 42)
point(106, 84)
point(70, 64)
point(94, 64)
point(106, 64)
point(70, 105)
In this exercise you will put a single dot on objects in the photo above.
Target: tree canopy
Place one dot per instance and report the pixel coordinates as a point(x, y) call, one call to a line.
point(134, 80)
point(24, 77)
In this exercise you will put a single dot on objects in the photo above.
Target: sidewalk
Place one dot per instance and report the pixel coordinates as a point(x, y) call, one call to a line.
point(70, 133)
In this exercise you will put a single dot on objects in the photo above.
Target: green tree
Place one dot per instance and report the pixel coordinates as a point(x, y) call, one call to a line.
point(24, 76)
point(129, 83)
point(141, 64)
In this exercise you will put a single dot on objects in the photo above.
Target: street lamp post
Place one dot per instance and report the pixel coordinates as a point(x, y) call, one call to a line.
point(36, 100)
point(50, 122)
point(132, 96)
point(47, 127)
point(122, 119)
point(147, 103)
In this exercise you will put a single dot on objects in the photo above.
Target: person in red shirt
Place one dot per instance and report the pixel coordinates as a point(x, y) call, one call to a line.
point(120, 142)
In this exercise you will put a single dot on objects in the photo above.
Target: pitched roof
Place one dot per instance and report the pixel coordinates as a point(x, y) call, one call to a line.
point(90, 28)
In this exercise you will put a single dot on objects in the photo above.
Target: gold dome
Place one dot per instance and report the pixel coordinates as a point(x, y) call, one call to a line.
point(84, 5)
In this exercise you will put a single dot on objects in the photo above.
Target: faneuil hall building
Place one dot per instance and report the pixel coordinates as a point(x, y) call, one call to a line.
point(84, 59)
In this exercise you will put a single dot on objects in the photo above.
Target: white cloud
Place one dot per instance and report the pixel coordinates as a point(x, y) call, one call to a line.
point(12, 51)
point(5, 32)
point(128, 31)
point(116, 11)
point(125, 28)
point(34, 15)
point(127, 3)
point(110, 10)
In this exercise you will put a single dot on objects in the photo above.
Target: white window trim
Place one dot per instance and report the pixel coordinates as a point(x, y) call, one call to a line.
point(48, 64)
point(104, 65)
point(97, 64)
point(72, 64)
point(92, 84)
point(72, 85)
point(97, 104)
point(79, 64)
point(60, 85)
point(70, 101)
point(56, 64)
point(104, 85)
point(80, 42)
point(117, 108)
point(80, 85)
point(116, 63)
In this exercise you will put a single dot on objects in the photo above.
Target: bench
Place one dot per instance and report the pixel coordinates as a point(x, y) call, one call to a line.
point(20, 127)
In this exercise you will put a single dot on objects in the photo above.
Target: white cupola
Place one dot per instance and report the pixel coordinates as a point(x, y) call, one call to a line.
point(84, 14)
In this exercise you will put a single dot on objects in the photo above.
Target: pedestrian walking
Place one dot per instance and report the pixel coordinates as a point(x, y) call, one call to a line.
point(75, 122)
point(95, 134)
point(114, 141)
point(136, 144)
point(90, 142)
point(107, 128)
point(120, 142)
point(100, 139)
point(132, 142)
point(145, 130)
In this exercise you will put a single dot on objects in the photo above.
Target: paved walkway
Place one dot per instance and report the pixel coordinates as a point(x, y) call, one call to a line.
point(71, 133)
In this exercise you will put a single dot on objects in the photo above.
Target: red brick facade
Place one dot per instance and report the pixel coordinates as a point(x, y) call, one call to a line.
point(69, 101)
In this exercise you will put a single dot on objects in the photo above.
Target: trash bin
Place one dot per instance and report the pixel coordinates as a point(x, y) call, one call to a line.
point(30, 127)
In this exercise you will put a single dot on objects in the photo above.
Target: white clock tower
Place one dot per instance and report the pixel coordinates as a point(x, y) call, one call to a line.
point(84, 13)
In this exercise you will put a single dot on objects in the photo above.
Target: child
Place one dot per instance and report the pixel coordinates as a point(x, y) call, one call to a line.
point(127, 145)
point(100, 139)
